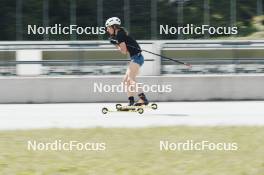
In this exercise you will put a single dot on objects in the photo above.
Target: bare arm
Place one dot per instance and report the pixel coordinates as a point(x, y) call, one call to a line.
point(122, 47)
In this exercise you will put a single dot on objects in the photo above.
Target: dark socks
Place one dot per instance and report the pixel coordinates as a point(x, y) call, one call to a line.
point(131, 101)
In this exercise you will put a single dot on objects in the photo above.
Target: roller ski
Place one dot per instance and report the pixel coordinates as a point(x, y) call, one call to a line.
point(132, 106)
point(153, 106)
point(122, 109)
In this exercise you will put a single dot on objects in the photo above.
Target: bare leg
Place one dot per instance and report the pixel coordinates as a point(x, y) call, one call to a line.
point(130, 78)
point(132, 72)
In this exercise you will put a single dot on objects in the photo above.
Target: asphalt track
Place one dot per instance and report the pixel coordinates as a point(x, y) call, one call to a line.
point(83, 115)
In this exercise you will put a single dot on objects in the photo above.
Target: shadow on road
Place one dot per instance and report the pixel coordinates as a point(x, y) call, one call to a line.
point(170, 115)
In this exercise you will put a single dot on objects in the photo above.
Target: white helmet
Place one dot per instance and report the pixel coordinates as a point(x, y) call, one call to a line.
point(112, 21)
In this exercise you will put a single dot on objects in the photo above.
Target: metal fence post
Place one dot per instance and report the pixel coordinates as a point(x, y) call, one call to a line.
point(259, 7)
point(73, 17)
point(233, 12)
point(127, 14)
point(45, 17)
point(100, 16)
point(207, 15)
point(180, 16)
point(19, 31)
point(154, 19)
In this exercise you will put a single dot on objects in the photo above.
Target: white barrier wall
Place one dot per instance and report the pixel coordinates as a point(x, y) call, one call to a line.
point(151, 67)
point(29, 69)
point(81, 89)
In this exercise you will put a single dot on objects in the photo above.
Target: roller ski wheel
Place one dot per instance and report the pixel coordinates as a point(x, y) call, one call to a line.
point(118, 106)
point(140, 110)
point(105, 110)
point(154, 106)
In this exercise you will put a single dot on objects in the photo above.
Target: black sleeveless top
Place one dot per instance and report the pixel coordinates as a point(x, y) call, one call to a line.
point(132, 45)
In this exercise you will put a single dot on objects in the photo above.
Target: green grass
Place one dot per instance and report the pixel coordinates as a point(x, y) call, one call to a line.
point(134, 152)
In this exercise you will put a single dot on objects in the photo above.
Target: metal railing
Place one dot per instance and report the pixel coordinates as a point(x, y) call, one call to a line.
point(96, 66)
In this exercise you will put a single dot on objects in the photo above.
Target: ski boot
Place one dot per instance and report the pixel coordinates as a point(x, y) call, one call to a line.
point(142, 100)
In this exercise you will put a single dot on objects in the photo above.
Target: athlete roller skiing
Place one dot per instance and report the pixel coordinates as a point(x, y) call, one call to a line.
point(127, 45)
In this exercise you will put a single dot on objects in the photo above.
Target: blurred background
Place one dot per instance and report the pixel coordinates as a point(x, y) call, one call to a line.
point(141, 17)
point(92, 55)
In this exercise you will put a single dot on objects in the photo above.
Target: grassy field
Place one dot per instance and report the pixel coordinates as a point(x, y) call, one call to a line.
point(134, 152)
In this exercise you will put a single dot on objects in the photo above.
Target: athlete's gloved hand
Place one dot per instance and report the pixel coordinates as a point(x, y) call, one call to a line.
point(113, 41)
